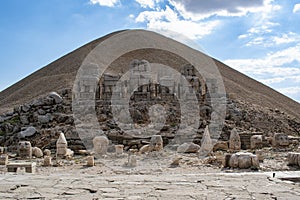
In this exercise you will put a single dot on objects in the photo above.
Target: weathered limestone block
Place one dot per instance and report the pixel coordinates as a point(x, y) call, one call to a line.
point(256, 141)
point(234, 141)
point(69, 153)
point(188, 148)
point(280, 140)
point(37, 152)
point(47, 161)
point(100, 145)
point(294, 158)
point(221, 145)
point(90, 162)
point(3, 159)
point(61, 145)
point(243, 160)
point(47, 152)
point(119, 149)
point(25, 149)
point(156, 142)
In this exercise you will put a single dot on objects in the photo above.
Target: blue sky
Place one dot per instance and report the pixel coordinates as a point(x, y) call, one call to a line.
point(260, 38)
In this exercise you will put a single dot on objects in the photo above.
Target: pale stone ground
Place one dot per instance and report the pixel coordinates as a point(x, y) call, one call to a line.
point(151, 179)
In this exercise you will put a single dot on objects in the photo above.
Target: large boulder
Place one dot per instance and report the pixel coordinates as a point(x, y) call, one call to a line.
point(37, 152)
point(294, 158)
point(29, 131)
point(57, 98)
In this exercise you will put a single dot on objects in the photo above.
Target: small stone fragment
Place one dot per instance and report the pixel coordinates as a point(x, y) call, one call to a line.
point(47, 161)
point(119, 149)
point(3, 159)
point(47, 152)
point(90, 161)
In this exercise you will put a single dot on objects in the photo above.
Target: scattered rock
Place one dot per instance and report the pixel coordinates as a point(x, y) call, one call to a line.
point(57, 98)
point(188, 148)
point(29, 131)
point(221, 145)
point(37, 152)
point(3, 159)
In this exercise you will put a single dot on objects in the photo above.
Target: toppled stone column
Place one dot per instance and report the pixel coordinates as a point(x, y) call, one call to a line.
point(294, 158)
point(234, 141)
point(256, 142)
point(3, 159)
point(100, 145)
point(90, 162)
point(25, 149)
point(47, 161)
point(61, 145)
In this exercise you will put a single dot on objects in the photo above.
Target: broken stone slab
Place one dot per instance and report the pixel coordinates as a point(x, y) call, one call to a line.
point(119, 149)
point(29, 131)
point(29, 167)
point(188, 148)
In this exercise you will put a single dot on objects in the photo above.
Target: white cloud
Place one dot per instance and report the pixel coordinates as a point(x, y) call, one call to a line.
point(290, 90)
point(274, 64)
point(296, 8)
point(108, 3)
point(164, 20)
point(148, 3)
